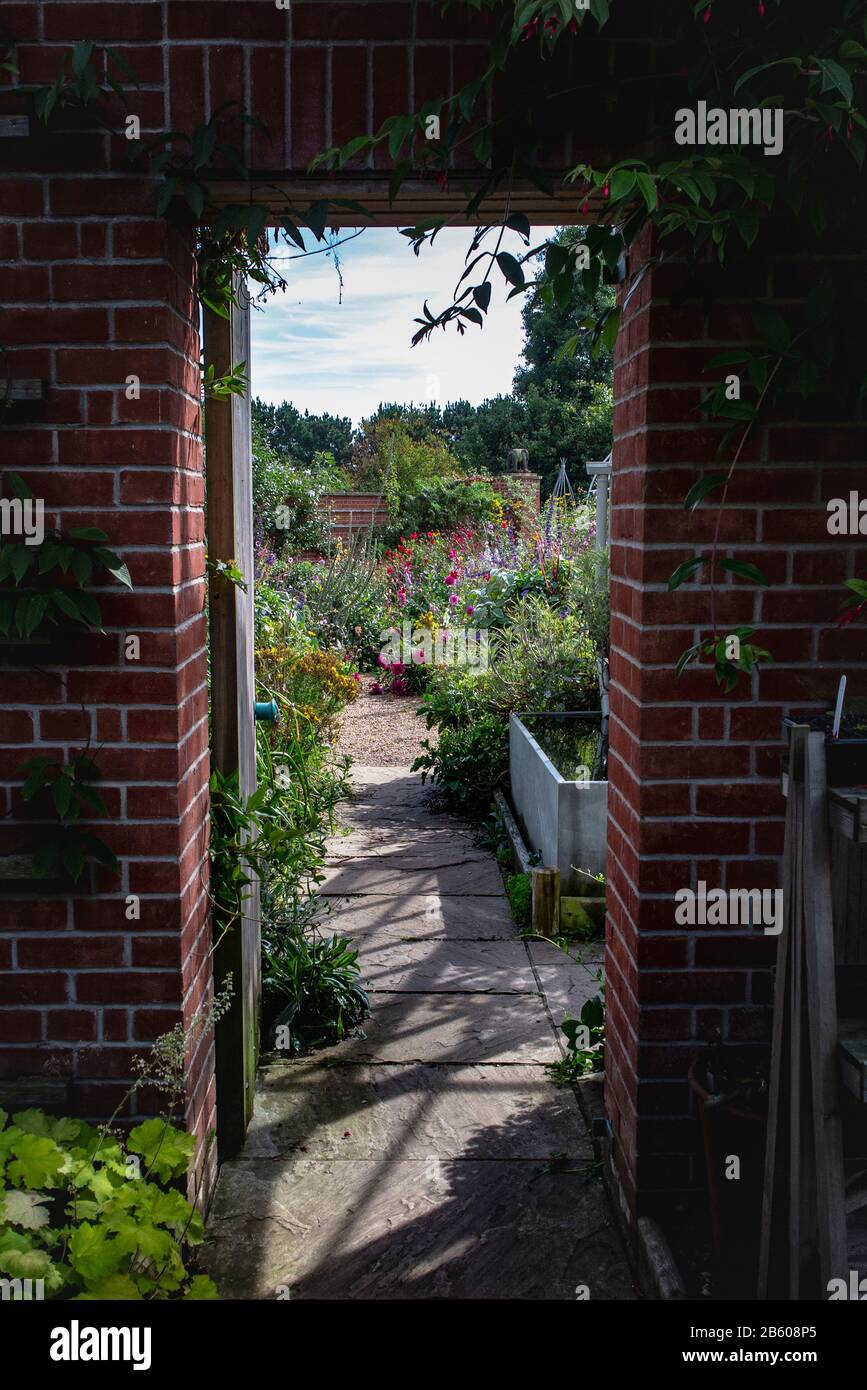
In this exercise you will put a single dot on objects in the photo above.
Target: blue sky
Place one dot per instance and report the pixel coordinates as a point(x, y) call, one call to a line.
point(324, 355)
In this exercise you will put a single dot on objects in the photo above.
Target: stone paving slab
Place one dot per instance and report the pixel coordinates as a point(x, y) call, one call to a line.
point(453, 1028)
point(404, 856)
point(412, 1112)
point(566, 984)
point(350, 1229)
point(390, 785)
point(438, 845)
point(422, 917)
point(477, 966)
point(363, 876)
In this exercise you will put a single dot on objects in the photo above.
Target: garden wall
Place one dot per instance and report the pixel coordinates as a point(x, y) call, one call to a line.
point(695, 774)
point(353, 512)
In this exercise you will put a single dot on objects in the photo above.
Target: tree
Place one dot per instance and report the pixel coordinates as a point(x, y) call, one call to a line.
point(301, 437)
point(549, 323)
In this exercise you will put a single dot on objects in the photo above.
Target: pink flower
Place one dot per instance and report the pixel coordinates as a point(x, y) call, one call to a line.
point(453, 598)
point(418, 657)
point(450, 578)
point(381, 661)
point(470, 608)
point(401, 597)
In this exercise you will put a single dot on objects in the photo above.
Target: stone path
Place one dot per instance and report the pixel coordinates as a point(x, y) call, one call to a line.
point(432, 1157)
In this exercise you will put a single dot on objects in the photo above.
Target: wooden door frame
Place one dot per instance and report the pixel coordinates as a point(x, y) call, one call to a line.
point(229, 502)
point(228, 472)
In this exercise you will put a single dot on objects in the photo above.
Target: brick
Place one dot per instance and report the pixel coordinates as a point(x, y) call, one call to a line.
point(72, 951)
point(307, 96)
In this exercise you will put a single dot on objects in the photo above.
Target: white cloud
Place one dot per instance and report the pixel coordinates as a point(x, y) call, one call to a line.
point(324, 355)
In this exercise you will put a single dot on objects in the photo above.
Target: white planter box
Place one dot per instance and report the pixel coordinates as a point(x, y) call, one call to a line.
point(565, 822)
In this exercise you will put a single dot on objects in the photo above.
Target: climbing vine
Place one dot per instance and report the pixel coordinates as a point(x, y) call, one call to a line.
point(711, 203)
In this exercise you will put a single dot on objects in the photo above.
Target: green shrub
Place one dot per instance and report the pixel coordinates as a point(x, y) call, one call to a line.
point(95, 1216)
point(467, 763)
point(311, 985)
point(444, 505)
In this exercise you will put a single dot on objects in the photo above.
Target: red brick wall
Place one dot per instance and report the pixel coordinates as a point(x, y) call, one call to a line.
point(96, 288)
point(694, 774)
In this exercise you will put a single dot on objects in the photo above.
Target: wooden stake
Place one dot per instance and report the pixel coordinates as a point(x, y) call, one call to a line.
point(546, 902)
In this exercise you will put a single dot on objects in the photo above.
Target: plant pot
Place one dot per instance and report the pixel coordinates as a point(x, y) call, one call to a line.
point(846, 755)
point(734, 1204)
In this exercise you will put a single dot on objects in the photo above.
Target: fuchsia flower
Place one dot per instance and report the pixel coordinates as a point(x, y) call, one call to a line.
point(401, 597)
point(399, 686)
point(453, 598)
point(375, 688)
point(397, 667)
point(470, 608)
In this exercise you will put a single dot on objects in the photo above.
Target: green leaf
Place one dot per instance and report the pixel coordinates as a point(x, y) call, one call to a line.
point(93, 1252)
point(482, 295)
point(763, 67)
point(166, 1151)
point(118, 1286)
point(316, 217)
point(647, 188)
point(38, 1162)
point(685, 571)
point(510, 269)
point(201, 1287)
point(610, 329)
point(25, 1209)
point(622, 183)
point(81, 56)
point(519, 223)
point(88, 533)
point(746, 571)
point(701, 488)
point(835, 76)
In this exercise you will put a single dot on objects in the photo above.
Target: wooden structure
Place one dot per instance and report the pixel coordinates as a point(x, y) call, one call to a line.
point(233, 737)
point(803, 1238)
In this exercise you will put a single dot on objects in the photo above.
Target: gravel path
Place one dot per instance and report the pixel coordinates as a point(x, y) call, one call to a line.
point(383, 730)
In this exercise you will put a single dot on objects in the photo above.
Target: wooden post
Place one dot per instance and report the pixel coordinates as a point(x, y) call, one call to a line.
point(546, 902)
point(803, 1238)
point(233, 746)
